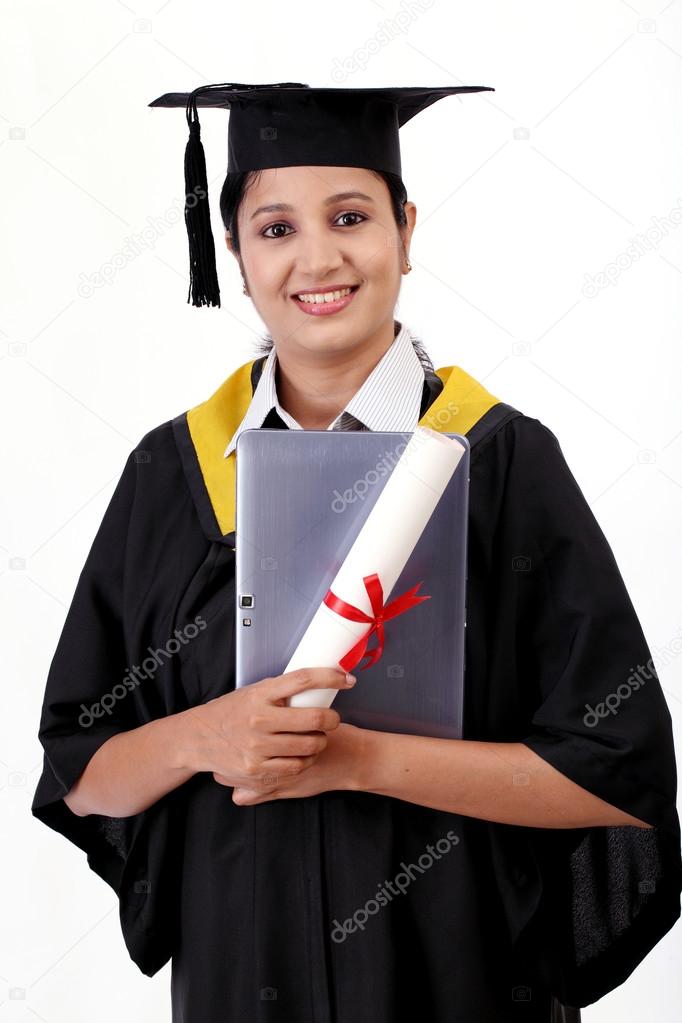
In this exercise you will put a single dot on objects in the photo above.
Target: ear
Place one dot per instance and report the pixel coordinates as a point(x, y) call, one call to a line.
point(411, 215)
point(228, 242)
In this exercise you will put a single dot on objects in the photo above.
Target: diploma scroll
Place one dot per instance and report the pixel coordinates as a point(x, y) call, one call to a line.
point(382, 548)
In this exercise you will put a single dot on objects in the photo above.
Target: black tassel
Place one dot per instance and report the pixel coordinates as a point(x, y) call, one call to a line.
point(203, 286)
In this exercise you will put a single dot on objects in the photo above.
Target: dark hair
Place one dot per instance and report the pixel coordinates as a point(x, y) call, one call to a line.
point(232, 193)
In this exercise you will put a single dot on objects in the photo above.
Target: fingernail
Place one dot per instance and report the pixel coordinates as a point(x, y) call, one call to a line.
point(350, 680)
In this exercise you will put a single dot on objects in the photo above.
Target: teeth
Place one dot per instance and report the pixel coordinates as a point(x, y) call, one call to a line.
point(328, 296)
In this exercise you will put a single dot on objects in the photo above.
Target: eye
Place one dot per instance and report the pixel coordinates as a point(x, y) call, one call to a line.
point(352, 213)
point(271, 227)
point(346, 213)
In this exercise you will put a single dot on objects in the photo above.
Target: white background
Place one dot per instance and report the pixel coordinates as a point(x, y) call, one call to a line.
point(520, 194)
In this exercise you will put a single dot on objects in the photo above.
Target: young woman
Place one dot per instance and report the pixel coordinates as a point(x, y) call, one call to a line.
point(292, 866)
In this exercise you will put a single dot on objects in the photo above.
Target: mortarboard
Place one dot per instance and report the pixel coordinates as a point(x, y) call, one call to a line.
point(290, 124)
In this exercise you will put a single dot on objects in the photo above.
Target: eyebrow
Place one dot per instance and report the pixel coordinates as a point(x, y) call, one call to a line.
point(283, 207)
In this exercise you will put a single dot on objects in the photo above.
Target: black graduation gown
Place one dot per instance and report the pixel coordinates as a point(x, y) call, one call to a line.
point(275, 912)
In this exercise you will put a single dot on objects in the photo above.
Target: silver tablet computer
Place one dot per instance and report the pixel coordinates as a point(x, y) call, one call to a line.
point(301, 499)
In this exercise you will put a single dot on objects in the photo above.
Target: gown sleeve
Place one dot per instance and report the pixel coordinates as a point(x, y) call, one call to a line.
point(87, 700)
point(595, 711)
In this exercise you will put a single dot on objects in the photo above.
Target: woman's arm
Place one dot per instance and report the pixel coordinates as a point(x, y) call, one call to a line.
point(240, 737)
point(132, 770)
point(496, 781)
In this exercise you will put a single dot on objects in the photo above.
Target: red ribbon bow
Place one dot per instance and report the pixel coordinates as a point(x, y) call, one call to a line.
point(380, 614)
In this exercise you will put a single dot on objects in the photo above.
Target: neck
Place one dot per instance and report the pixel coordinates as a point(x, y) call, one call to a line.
point(314, 391)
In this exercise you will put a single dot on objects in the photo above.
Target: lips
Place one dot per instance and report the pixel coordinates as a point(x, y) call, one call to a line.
point(316, 305)
point(324, 291)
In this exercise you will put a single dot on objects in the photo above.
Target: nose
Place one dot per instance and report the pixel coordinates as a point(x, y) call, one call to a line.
point(318, 256)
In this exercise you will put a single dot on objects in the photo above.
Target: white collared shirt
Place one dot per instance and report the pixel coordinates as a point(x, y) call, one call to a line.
point(389, 399)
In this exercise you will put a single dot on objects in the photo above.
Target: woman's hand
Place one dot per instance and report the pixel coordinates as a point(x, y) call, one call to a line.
point(335, 768)
point(250, 738)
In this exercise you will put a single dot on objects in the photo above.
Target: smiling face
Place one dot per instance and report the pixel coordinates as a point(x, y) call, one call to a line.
point(320, 230)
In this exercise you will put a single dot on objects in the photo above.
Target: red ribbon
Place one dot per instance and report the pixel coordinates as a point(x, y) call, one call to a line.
point(380, 614)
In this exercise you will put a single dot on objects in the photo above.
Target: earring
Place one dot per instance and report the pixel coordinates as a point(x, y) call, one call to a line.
point(409, 265)
point(244, 291)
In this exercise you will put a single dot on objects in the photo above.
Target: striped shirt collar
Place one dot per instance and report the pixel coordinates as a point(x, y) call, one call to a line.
point(389, 399)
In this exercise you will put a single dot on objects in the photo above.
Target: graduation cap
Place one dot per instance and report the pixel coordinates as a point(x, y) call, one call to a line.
point(290, 124)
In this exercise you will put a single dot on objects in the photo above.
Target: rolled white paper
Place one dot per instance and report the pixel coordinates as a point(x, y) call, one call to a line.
point(383, 545)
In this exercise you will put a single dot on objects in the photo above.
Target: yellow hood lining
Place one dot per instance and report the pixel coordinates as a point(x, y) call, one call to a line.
point(458, 407)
